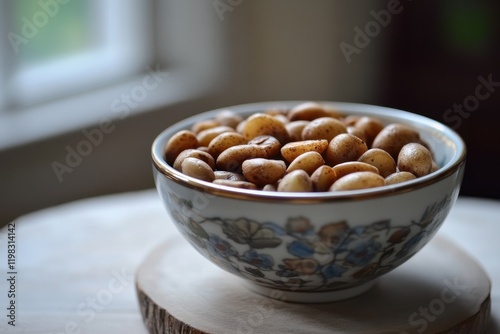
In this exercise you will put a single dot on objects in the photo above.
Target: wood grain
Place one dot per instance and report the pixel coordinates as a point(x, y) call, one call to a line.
point(440, 290)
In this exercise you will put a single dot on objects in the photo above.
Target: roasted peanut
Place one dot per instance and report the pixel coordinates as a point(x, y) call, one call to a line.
point(349, 167)
point(295, 129)
point(224, 141)
point(270, 187)
point(228, 118)
point(225, 175)
point(262, 124)
point(370, 126)
point(206, 136)
point(358, 180)
point(204, 125)
point(344, 147)
point(263, 171)
point(323, 128)
point(292, 150)
point(323, 178)
point(308, 162)
point(308, 111)
point(350, 120)
point(203, 149)
point(193, 153)
point(380, 159)
point(296, 181)
point(282, 118)
point(393, 137)
point(399, 177)
point(360, 133)
point(277, 111)
point(416, 159)
point(270, 144)
point(198, 169)
point(179, 142)
point(241, 126)
point(232, 158)
point(332, 112)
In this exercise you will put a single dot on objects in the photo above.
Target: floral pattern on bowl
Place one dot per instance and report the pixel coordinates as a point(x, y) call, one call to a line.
point(297, 256)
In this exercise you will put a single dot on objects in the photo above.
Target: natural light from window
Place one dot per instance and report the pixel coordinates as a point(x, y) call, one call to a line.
point(62, 47)
point(65, 63)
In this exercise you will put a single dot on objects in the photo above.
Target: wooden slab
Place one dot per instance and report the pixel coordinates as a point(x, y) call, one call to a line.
point(439, 290)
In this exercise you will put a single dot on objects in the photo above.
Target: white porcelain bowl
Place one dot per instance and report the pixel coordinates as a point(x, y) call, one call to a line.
point(313, 247)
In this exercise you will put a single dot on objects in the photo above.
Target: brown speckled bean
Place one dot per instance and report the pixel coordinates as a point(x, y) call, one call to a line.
point(380, 159)
point(399, 177)
point(323, 178)
point(179, 142)
point(228, 118)
point(262, 124)
point(393, 137)
point(206, 136)
point(295, 129)
point(370, 126)
point(323, 128)
point(292, 150)
point(308, 162)
point(193, 153)
point(232, 158)
point(263, 171)
point(270, 144)
point(204, 125)
point(358, 180)
point(296, 181)
point(310, 110)
point(225, 175)
point(416, 159)
point(270, 187)
point(344, 147)
point(198, 169)
point(224, 141)
point(349, 167)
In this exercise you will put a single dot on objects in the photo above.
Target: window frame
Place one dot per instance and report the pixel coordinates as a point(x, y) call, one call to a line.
point(193, 71)
point(64, 76)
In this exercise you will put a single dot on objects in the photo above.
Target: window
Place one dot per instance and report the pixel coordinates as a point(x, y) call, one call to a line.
point(60, 47)
point(63, 63)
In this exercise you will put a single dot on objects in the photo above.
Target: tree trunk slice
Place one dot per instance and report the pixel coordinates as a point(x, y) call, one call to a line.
point(439, 290)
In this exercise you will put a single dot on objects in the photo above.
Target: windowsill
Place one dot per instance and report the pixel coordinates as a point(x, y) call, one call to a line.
point(145, 92)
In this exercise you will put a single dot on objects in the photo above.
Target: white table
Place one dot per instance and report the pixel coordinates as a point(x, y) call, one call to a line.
point(75, 263)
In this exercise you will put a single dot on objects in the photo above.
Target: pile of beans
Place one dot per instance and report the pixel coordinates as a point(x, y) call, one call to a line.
point(306, 148)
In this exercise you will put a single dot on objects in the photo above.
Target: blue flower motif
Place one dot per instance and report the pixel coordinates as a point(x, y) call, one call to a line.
point(300, 249)
point(252, 233)
point(286, 272)
point(275, 228)
point(333, 270)
point(262, 261)
point(358, 230)
point(363, 253)
point(344, 245)
point(411, 244)
point(299, 227)
point(220, 247)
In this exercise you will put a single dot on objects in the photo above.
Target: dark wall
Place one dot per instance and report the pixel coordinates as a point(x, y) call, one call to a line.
point(443, 61)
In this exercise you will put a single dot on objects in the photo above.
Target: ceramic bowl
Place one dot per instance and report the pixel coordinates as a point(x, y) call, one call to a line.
point(313, 247)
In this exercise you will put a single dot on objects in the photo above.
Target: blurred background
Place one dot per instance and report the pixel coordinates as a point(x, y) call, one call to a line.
point(85, 86)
